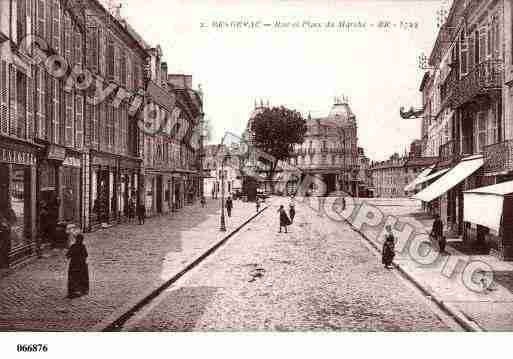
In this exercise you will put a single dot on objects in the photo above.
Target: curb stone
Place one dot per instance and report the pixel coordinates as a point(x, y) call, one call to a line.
point(118, 318)
point(450, 309)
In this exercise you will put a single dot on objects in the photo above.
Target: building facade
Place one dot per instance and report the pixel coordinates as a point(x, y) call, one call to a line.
point(329, 153)
point(467, 116)
point(73, 81)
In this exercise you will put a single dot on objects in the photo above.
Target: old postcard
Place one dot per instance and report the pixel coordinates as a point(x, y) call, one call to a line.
point(331, 166)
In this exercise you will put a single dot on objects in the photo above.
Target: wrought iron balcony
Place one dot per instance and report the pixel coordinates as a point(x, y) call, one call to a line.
point(482, 80)
point(450, 151)
point(499, 157)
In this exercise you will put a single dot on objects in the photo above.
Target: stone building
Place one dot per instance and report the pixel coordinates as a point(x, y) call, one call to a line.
point(467, 121)
point(70, 147)
point(329, 153)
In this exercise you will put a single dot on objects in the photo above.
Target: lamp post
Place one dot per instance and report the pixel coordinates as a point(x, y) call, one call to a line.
point(222, 228)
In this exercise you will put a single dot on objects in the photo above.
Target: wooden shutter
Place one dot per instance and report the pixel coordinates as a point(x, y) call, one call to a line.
point(68, 39)
point(69, 118)
point(129, 84)
point(30, 106)
point(48, 101)
point(123, 69)
point(103, 52)
point(4, 97)
point(78, 48)
point(41, 20)
point(117, 64)
point(13, 92)
point(79, 120)
point(49, 21)
point(56, 130)
point(40, 102)
point(482, 43)
point(92, 46)
point(110, 59)
point(56, 23)
point(463, 54)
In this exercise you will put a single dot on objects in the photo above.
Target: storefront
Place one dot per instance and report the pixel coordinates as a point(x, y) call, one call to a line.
point(71, 189)
point(103, 201)
point(17, 201)
point(127, 185)
point(488, 214)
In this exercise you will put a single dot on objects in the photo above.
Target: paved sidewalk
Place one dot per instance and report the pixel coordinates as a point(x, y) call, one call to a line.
point(125, 262)
point(489, 310)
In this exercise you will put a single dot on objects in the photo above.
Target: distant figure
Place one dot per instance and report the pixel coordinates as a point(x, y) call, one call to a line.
point(292, 209)
point(203, 201)
point(388, 252)
point(131, 210)
point(438, 234)
point(78, 272)
point(229, 206)
point(257, 202)
point(5, 238)
point(141, 213)
point(284, 219)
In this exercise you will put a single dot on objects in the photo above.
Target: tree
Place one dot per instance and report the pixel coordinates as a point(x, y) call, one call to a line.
point(275, 131)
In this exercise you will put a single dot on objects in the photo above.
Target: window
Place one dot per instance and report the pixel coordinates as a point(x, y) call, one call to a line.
point(21, 20)
point(41, 23)
point(56, 34)
point(481, 130)
point(483, 31)
point(493, 128)
point(69, 134)
point(40, 102)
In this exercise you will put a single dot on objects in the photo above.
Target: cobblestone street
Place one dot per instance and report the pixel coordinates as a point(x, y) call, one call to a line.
point(125, 262)
point(319, 276)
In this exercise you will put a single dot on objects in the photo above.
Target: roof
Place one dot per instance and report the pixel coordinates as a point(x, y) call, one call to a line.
point(161, 96)
point(421, 161)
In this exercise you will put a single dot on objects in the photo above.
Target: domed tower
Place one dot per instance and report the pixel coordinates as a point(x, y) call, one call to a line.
point(341, 112)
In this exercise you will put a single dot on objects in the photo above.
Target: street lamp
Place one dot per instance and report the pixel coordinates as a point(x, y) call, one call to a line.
point(226, 157)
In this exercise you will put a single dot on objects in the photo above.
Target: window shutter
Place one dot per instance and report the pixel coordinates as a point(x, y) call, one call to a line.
point(41, 102)
point(92, 49)
point(30, 106)
point(56, 32)
point(13, 115)
point(129, 84)
point(4, 97)
point(48, 103)
point(79, 121)
point(68, 40)
point(123, 69)
point(117, 64)
point(41, 22)
point(69, 119)
point(56, 130)
point(482, 43)
point(463, 55)
point(78, 48)
point(49, 21)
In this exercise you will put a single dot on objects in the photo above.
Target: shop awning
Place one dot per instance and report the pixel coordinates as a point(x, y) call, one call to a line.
point(411, 186)
point(462, 170)
point(433, 176)
point(484, 205)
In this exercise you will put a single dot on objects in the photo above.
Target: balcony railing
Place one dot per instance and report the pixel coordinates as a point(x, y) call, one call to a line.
point(482, 80)
point(450, 150)
point(499, 157)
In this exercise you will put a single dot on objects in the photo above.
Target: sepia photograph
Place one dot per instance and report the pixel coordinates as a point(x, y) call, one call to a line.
point(245, 171)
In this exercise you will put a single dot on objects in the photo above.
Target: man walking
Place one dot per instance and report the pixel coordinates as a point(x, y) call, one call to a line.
point(438, 233)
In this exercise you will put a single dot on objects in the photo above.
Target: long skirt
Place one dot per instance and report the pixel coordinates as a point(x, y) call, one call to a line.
point(387, 258)
point(78, 278)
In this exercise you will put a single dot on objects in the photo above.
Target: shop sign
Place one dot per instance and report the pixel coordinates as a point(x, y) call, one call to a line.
point(56, 153)
point(11, 156)
point(72, 161)
point(102, 161)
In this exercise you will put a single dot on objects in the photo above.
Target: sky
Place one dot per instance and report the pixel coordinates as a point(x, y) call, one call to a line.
point(302, 68)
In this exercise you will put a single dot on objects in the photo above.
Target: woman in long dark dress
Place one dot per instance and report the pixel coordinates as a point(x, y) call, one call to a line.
point(284, 219)
point(78, 272)
point(388, 252)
